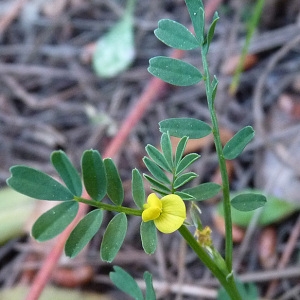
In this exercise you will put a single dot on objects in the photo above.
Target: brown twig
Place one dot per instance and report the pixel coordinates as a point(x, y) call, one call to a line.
point(151, 92)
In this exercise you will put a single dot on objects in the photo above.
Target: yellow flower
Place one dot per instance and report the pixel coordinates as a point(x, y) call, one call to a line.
point(168, 213)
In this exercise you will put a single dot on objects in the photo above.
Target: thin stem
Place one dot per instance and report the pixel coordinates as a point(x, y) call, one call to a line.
point(109, 207)
point(226, 278)
point(222, 164)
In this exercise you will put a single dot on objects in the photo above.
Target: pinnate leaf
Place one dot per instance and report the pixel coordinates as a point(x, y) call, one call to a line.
point(115, 189)
point(174, 71)
point(166, 147)
point(138, 190)
point(238, 142)
point(183, 179)
point(113, 237)
point(54, 221)
point(180, 127)
point(67, 172)
point(94, 175)
point(175, 35)
point(36, 184)
point(150, 292)
point(180, 149)
point(83, 232)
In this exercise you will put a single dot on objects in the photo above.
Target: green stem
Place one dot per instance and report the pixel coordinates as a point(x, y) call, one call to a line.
point(222, 164)
point(226, 278)
point(109, 207)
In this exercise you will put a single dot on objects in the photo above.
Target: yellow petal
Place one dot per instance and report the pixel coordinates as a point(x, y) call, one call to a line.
point(153, 200)
point(167, 223)
point(151, 213)
point(173, 204)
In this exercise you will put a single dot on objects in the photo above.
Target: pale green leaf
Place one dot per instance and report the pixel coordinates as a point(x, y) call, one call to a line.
point(148, 236)
point(138, 190)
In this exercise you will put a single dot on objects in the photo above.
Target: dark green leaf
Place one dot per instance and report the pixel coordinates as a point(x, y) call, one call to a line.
point(174, 71)
point(125, 282)
point(115, 189)
point(273, 211)
point(54, 221)
point(204, 191)
point(196, 11)
point(180, 149)
point(148, 236)
point(186, 162)
point(175, 35)
point(150, 292)
point(138, 190)
point(248, 201)
point(83, 232)
point(156, 171)
point(157, 157)
point(67, 172)
point(238, 142)
point(115, 50)
point(113, 237)
point(155, 183)
point(36, 184)
point(180, 127)
point(166, 147)
point(183, 179)
point(93, 172)
point(184, 196)
point(211, 32)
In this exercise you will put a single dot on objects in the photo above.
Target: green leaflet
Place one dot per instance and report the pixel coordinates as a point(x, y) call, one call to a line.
point(174, 71)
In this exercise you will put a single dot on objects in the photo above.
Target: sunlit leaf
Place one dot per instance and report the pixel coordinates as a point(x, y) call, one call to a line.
point(204, 191)
point(54, 221)
point(183, 179)
point(113, 237)
point(158, 157)
point(186, 162)
point(196, 11)
point(180, 127)
point(36, 184)
point(138, 190)
point(248, 201)
point(175, 35)
point(166, 147)
point(238, 142)
point(211, 32)
point(148, 236)
point(150, 292)
point(174, 71)
point(115, 50)
point(125, 282)
point(156, 171)
point(94, 175)
point(67, 172)
point(83, 232)
point(115, 189)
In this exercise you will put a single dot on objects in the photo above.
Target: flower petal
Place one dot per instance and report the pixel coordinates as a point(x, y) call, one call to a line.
point(153, 200)
point(167, 223)
point(173, 205)
point(151, 213)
